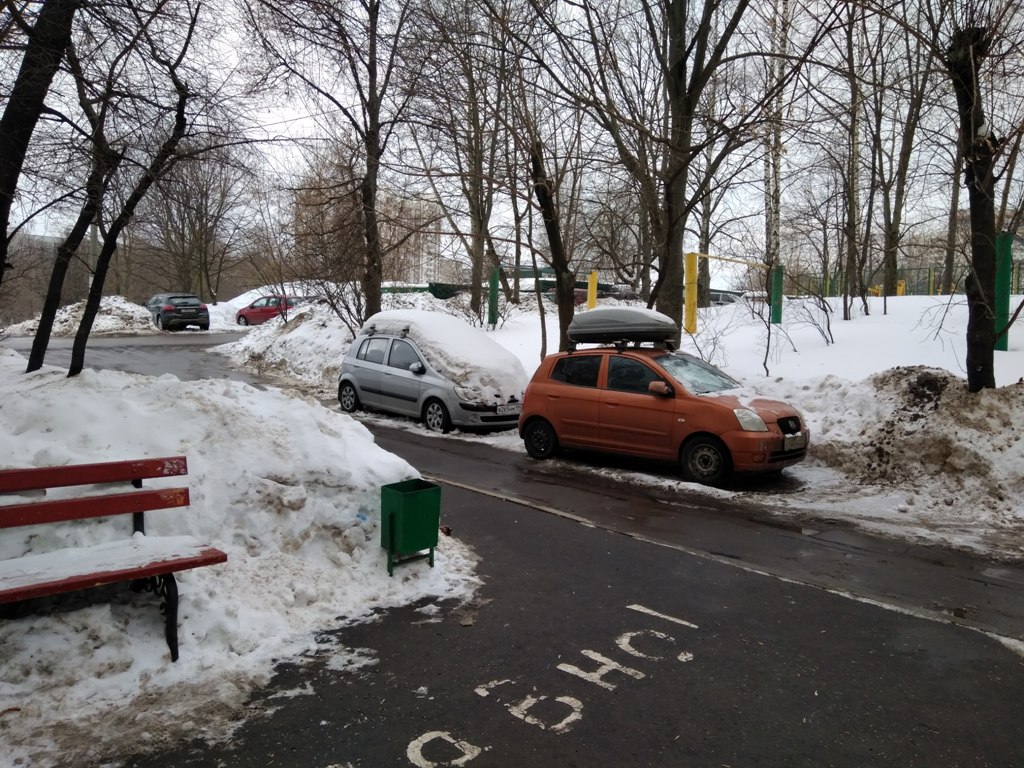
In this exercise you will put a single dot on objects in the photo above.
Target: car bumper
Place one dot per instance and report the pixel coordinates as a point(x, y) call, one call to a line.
point(181, 322)
point(765, 451)
point(473, 416)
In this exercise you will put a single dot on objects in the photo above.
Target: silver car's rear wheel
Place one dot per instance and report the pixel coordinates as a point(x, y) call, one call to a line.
point(436, 417)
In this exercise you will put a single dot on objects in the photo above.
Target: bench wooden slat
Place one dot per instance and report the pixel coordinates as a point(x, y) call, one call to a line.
point(71, 569)
point(34, 478)
point(60, 510)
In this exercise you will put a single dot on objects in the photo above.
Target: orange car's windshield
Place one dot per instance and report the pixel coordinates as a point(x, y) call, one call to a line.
point(695, 375)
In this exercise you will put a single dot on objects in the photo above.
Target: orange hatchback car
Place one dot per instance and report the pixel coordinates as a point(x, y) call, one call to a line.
point(655, 402)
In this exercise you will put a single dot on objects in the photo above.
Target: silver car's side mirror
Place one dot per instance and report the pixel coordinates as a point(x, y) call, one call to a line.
point(417, 368)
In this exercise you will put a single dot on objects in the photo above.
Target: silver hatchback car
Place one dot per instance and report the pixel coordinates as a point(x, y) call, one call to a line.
point(390, 371)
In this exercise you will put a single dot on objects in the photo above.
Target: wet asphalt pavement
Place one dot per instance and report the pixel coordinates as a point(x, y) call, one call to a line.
point(586, 647)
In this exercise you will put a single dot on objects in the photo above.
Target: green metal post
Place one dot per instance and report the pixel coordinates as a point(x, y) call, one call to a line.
point(1004, 268)
point(776, 297)
point(492, 299)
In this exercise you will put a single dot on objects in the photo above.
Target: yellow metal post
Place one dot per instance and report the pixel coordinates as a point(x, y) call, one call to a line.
point(592, 290)
point(690, 293)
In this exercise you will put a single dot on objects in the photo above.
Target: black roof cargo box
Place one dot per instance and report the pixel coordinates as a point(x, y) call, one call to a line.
point(608, 325)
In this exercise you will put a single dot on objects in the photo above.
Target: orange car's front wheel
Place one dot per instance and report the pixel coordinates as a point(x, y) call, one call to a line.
point(705, 459)
point(540, 439)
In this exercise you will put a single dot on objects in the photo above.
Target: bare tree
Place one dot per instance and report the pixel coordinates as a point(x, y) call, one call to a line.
point(346, 58)
point(196, 217)
point(166, 57)
point(648, 102)
point(972, 39)
point(458, 141)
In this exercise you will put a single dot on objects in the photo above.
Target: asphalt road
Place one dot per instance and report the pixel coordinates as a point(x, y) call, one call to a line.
point(588, 648)
point(627, 626)
point(184, 353)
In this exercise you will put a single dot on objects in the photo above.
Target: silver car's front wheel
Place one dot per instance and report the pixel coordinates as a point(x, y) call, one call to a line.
point(348, 397)
point(435, 417)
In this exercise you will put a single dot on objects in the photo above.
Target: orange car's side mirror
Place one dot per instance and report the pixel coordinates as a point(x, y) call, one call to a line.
point(660, 388)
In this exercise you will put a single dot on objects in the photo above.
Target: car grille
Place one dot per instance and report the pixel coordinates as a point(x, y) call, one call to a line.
point(789, 425)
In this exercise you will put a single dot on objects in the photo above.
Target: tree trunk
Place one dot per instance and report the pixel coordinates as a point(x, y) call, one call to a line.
point(949, 261)
point(965, 56)
point(65, 252)
point(851, 182)
point(668, 291)
point(565, 280)
point(704, 246)
point(46, 44)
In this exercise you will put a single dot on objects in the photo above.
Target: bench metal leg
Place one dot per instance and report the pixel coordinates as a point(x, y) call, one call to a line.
point(166, 587)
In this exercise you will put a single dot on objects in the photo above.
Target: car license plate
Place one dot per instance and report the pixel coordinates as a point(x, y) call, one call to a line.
point(189, 311)
point(509, 410)
point(792, 442)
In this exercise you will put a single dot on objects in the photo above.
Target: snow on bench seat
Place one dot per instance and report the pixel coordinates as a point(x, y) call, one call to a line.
point(75, 568)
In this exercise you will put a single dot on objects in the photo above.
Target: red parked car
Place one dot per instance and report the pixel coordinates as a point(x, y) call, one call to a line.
point(266, 308)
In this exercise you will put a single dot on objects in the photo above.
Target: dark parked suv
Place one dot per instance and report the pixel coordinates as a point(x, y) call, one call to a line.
point(174, 311)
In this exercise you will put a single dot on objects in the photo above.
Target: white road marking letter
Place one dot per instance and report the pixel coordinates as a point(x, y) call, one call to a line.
point(650, 612)
point(521, 710)
point(685, 656)
point(415, 750)
point(607, 665)
point(485, 689)
point(625, 642)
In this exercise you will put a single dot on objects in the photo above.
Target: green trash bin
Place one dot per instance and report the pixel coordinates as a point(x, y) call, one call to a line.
point(410, 514)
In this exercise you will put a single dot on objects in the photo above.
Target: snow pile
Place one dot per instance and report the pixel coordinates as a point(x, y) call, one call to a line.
point(306, 349)
point(461, 353)
point(289, 489)
point(286, 350)
point(115, 316)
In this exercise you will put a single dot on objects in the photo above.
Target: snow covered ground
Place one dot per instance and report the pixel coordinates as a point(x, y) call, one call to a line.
point(289, 489)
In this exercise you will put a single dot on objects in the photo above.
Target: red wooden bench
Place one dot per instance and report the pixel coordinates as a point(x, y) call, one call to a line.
point(148, 562)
